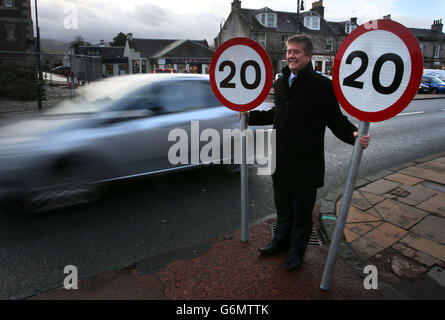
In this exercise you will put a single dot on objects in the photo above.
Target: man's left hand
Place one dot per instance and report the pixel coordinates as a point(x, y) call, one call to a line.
point(364, 141)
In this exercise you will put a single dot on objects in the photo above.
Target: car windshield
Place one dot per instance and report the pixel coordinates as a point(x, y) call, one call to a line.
point(437, 80)
point(99, 96)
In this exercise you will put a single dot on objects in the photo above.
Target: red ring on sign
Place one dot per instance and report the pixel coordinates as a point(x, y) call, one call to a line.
point(267, 65)
point(413, 84)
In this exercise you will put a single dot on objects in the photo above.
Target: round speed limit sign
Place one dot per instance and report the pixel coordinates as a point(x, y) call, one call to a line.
point(241, 74)
point(377, 70)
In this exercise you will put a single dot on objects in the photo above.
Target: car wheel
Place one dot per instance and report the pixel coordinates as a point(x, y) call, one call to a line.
point(69, 185)
point(435, 91)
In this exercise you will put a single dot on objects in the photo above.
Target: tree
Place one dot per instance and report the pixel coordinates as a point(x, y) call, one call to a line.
point(119, 40)
point(78, 41)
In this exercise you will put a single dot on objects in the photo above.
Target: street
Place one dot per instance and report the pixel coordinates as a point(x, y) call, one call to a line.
point(151, 217)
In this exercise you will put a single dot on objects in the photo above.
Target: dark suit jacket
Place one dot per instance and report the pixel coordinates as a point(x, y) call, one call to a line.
point(300, 117)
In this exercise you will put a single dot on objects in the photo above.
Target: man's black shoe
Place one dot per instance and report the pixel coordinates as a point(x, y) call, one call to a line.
point(272, 248)
point(293, 263)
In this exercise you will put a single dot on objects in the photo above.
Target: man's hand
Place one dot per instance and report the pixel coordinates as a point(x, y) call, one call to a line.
point(364, 141)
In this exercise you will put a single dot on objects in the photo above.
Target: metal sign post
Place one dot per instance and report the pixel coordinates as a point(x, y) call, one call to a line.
point(372, 83)
point(244, 178)
point(344, 207)
point(241, 76)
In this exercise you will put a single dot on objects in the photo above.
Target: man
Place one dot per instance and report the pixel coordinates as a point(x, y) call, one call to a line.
point(305, 104)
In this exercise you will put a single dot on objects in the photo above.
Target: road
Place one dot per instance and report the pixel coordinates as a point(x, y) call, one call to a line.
point(157, 217)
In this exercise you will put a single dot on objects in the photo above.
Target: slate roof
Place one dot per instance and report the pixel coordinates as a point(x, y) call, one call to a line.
point(287, 22)
point(156, 48)
point(427, 34)
point(104, 52)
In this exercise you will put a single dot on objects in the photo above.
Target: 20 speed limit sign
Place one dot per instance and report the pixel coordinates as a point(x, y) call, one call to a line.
point(377, 70)
point(241, 74)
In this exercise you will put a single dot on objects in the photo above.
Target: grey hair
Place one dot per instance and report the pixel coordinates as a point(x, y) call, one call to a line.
point(305, 39)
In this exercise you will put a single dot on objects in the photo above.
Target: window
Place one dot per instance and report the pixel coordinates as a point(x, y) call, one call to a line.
point(349, 27)
point(267, 19)
point(312, 22)
point(436, 51)
point(329, 41)
point(284, 42)
point(9, 3)
point(11, 33)
point(261, 39)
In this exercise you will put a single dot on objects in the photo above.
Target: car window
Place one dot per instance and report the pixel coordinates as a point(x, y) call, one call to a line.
point(179, 96)
point(437, 80)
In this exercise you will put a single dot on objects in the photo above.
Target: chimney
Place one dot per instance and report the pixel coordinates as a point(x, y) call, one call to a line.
point(129, 36)
point(437, 25)
point(354, 20)
point(236, 5)
point(317, 7)
point(388, 17)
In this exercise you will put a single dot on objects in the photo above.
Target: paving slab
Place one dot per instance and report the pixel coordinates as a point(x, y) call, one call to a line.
point(350, 235)
point(400, 214)
point(423, 173)
point(437, 274)
point(372, 198)
point(380, 187)
point(366, 248)
point(418, 256)
point(362, 228)
point(356, 215)
point(404, 179)
point(425, 245)
point(432, 228)
point(386, 234)
point(360, 201)
point(436, 204)
point(418, 193)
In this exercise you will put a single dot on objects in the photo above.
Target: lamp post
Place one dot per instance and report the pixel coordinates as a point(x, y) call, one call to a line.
point(39, 67)
point(298, 14)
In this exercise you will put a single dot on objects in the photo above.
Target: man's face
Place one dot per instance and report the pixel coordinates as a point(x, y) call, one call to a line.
point(296, 57)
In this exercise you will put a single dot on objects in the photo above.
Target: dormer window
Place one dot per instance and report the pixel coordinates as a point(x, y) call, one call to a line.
point(267, 19)
point(349, 27)
point(312, 22)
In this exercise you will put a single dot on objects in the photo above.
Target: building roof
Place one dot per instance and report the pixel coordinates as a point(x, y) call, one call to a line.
point(105, 52)
point(156, 48)
point(287, 22)
point(427, 34)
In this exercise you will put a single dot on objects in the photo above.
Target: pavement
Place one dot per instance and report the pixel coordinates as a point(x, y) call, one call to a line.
point(395, 223)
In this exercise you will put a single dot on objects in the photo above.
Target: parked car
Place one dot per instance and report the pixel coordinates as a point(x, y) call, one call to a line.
point(61, 70)
point(163, 70)
point(423, 88)
point(435, 85)
point(435, 73)
point(117, 128)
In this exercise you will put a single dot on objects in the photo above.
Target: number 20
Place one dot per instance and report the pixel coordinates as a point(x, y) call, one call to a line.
point(350, 81)
point(249, 63)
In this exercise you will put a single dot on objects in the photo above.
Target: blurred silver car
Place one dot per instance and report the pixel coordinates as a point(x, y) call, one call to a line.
point(114, 129)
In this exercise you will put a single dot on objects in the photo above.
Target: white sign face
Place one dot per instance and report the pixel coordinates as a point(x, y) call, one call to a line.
point(240, 63)
point(241, 74)
point(378, 71)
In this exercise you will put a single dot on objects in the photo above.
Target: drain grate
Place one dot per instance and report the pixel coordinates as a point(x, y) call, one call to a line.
point(315, 240)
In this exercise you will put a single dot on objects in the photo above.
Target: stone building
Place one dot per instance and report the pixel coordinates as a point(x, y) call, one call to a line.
point(16, 31)
point(432, 44)
point(272, 29)
point(145, 55)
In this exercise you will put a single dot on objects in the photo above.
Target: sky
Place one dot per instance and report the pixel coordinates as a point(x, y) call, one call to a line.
point(95, 20)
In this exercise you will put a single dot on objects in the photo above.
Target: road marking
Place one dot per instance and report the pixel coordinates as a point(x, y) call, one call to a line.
point(410, 113)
